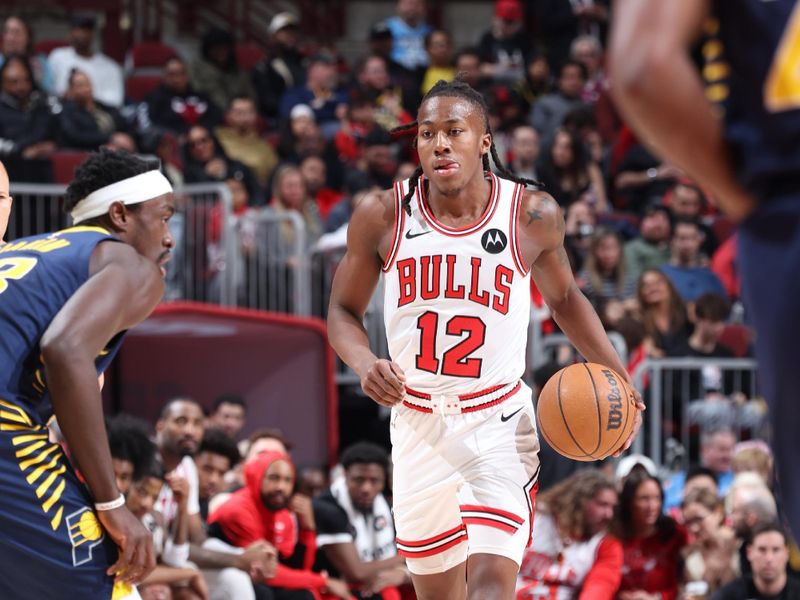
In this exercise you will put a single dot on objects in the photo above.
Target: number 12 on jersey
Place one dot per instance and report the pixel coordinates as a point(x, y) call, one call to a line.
point(455, 361)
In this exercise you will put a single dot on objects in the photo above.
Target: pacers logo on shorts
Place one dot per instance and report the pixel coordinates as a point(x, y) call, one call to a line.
point(85, 533)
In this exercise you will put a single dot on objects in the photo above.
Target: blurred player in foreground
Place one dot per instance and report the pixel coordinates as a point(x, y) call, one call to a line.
point(749, 158)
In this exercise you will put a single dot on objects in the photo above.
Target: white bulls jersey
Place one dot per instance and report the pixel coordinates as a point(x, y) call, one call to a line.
point(457, 301)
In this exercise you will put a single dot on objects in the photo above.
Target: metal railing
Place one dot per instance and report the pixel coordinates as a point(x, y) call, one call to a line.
point(674, 388)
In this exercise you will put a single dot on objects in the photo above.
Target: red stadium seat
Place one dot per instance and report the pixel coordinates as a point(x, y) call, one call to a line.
point(64, 163)
point(138, 86)
point(47, 46)
point(248, 55)
point(150, 54)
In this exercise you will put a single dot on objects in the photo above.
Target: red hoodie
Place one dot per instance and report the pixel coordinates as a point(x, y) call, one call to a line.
point(244, 519)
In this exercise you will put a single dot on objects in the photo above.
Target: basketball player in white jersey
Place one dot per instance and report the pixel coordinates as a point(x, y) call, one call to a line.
point(457, 245)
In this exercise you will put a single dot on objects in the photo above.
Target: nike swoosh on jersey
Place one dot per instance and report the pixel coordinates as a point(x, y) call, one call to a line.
point(505, 418)
point(411, 236)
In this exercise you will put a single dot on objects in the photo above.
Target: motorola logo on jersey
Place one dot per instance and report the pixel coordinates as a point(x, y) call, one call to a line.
point(494, 241)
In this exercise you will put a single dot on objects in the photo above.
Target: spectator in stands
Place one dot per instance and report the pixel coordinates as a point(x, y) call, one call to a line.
point(652, 542)
point(716, 452)
point(267, 439)
point(439, 47)
point(18, 39)
point(468, 65)
point(604, 278)
point(373, 82)
point(289, 193)
point(663, 314)
point(686, 268)
point(241, 140)
point(569, 174)
point(408, 28)
point(103, 71)
point(711, 559)
point(651, 249)
point(377, 165)
point(205, 161)
point(131, 448)
point(265, 509)
point(216, 73)
point(769, 556)
point(686, 201)
point(340, 214)
point(525, 149)
point(409, 80)
point(561, 21)
point(27, 125)
point(314, 172)
point(572, 554)
point(179, 432)
point(697, 478)
point(581, 220)
point(641, 179)
point(505, 48)
point(176, 106)
point(548, 112)
point(754, 456)
point(320, 93)
point(228, 414)
point(633, 465)
point(86, 124)
point(311, 481)
point(281, 68)
point(749, 504)
point(709, 316)
point(172, 551)
point(537, 81)
point(587, 50)
point(355, 530)
point(214, 459)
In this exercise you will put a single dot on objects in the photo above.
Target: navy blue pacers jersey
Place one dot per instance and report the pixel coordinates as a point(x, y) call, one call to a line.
point(751, 68)
point(52, 545)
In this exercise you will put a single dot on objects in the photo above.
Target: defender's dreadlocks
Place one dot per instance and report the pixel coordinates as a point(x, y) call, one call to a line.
point(460, 89)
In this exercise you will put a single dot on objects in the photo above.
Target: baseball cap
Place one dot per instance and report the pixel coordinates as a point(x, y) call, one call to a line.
point(281, 21)
point(380, 31)
point(323, 56)
point(508, 10)
point(301, 110)
point(625, 466)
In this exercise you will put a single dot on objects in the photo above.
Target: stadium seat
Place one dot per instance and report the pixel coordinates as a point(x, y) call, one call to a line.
point(150, 54)
point(64, 164)
point(138, 86)
point(248, 55)
point(47, 46)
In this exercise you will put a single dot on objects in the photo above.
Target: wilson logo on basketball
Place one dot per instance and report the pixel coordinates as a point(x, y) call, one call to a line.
point(614, 402)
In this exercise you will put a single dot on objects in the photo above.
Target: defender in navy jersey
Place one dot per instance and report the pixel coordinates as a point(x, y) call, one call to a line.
point(738, 134)
point(66, 299)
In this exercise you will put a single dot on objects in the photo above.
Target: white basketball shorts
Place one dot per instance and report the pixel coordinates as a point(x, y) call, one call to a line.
point(465, 473)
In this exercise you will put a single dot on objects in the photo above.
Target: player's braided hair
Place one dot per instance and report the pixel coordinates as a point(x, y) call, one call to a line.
point(101, 169)
point(460, 89)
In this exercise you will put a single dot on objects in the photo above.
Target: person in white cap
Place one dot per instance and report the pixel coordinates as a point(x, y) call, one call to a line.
point(66, 299)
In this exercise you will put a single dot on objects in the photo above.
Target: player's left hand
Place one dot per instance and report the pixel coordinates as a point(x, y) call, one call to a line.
point(637, 419)
point(136, 556)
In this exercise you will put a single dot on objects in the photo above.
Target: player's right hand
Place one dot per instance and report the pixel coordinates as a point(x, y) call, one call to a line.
point(136, 556)
point(384, 382)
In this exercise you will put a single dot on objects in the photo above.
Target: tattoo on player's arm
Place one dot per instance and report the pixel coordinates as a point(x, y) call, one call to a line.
point(534, 215)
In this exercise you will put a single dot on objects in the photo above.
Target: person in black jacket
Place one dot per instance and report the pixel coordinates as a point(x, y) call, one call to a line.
point(86, 124)
point(175, 105)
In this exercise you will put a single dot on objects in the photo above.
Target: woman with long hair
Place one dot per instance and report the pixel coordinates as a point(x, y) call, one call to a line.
point(651, 541)
point(712, 559)
point(604, 277)
point(569, 174)
point(290, 193)
point(663, 314)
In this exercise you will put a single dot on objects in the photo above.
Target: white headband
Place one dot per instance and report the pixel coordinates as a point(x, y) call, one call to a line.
point(133, 190)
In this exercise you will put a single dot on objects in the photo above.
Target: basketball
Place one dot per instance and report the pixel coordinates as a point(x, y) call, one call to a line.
point(586, 411)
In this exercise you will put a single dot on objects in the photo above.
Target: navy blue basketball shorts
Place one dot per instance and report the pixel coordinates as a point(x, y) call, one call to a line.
point(51, 543)
point(769, 262)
